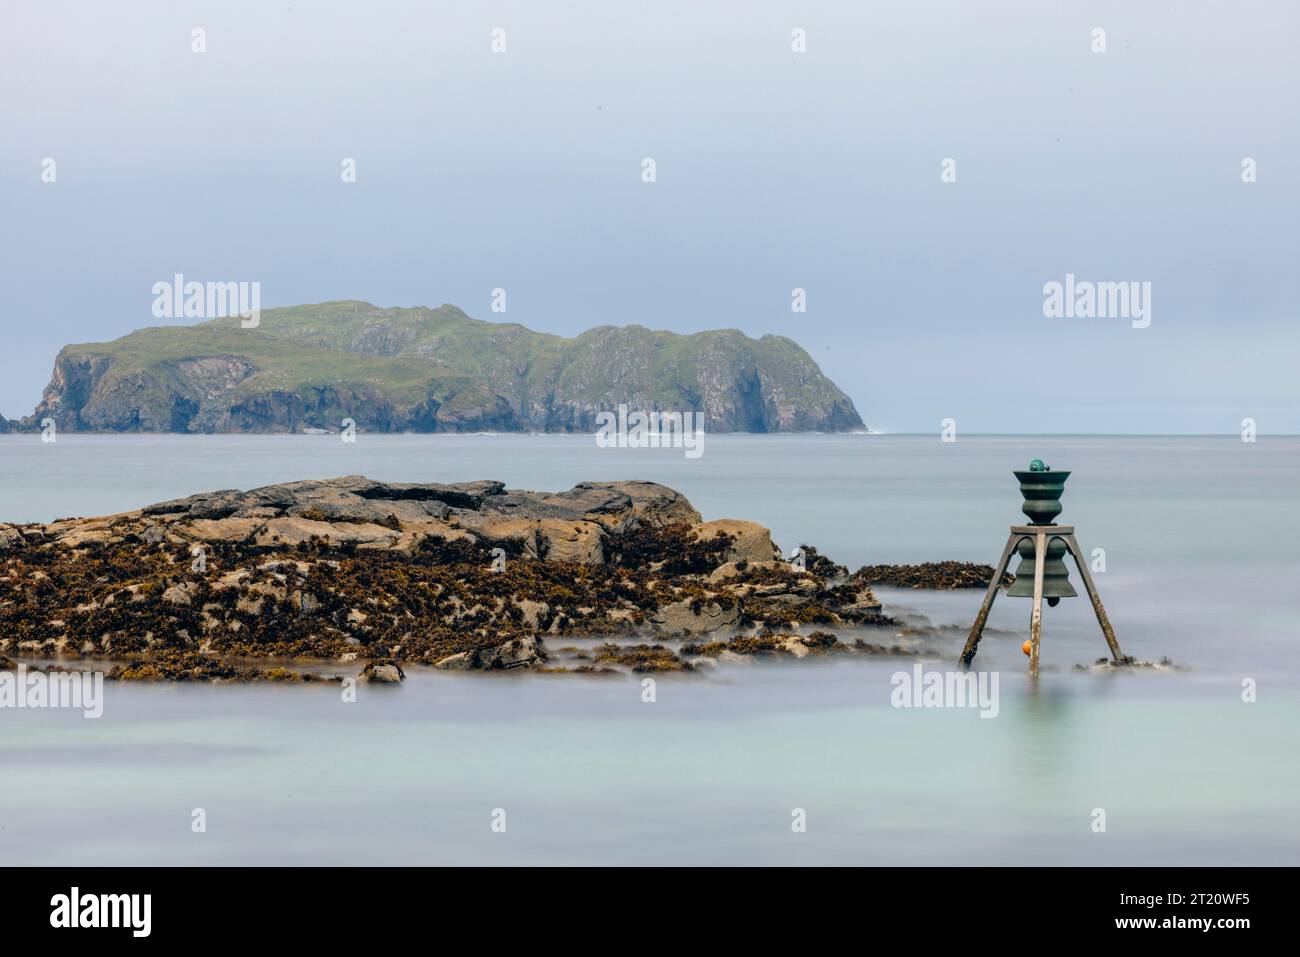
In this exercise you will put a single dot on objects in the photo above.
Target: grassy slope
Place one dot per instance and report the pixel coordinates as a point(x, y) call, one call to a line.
point(410, 353)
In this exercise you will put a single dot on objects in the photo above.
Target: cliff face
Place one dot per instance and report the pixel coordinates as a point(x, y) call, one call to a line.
point(430, 370)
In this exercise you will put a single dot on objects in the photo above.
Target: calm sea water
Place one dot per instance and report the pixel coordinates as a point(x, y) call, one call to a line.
point(1202, 554)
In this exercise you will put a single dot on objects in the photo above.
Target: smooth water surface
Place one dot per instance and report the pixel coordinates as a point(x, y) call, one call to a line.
point(1202, 556)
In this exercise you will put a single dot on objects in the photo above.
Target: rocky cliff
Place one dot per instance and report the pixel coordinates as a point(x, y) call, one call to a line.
point(311, 367)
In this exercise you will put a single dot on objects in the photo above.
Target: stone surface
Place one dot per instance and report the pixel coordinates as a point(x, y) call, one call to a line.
point(693, 617)
point(753, 542)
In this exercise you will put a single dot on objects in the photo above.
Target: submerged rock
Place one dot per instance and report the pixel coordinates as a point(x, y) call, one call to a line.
point(934, 575)
point(382, 672)
point(194, 666)
point(520, 652)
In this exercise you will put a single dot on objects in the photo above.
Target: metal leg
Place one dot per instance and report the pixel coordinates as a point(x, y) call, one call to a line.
point(1073, 545)
point(977, 629)
point(1036, 616)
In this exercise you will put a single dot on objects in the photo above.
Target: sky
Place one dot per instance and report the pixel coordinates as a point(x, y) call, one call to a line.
point(775, 170)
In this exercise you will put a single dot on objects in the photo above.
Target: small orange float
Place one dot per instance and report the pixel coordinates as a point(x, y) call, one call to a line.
point(1027, 647)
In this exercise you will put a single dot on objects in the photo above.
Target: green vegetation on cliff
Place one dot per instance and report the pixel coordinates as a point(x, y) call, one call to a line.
point(430, 369)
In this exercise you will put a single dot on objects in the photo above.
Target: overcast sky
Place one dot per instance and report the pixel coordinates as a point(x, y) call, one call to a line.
point(775, 170)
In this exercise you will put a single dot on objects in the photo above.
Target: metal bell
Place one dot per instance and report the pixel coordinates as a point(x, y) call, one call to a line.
point(1056, 576)
point(1042, 489)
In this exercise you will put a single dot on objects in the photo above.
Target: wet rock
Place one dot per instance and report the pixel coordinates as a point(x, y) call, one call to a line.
point(461, 661)
point(180, 594)
point(521, 652)
point(642, 658)
point(382, 672)
point(693, 616)
point(935, 575)
point(406, 572)
point(516, 653)
point(1129, 662)
point(794, 646)
point(172, 665)
point(751, 542)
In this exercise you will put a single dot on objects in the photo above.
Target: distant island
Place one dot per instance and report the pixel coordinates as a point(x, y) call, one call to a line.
point(308, 368)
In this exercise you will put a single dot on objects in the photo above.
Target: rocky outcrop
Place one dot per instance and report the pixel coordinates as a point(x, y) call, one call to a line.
point(464, 576)
point(423, 370)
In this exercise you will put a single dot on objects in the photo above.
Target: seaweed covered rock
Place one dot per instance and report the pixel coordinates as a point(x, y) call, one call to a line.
point(172, 665)
point(464, 576)
point(750, 541)
point(522, 652)
point(934, 575)
point(382, 672)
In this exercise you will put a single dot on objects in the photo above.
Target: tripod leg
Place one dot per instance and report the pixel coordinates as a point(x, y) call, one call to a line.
point(977, 629)
point(1073, 545)
point(1036, 616)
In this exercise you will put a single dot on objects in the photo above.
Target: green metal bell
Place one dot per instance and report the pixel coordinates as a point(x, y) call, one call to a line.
point(1056, 577)
point(1042, 489)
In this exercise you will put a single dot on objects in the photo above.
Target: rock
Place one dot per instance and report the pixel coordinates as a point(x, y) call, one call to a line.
point(516, 653)
point(565, 541)
point(753, 542)
point(744, 569)
point(292, 531)
point(7, 664)
point(86, 533)
point(382, 672)
point(219, 529)
point(461, 661)
point(795, 647)
point(532, 610)
point(864, 604)
point(403, 571)
point(693, 617)
point(937, 575)
point(180, 594)
point(10, 538)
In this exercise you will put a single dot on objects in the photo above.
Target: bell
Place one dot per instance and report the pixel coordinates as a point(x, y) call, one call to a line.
point(1042, 489)
point(1056, 577)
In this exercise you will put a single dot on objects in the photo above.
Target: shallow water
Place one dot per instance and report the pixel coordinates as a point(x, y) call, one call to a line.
point(1201, 552)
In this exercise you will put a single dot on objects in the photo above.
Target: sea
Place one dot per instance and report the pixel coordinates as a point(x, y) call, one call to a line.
point(1196, 542)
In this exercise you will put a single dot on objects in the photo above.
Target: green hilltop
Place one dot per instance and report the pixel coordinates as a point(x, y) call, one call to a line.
point(428, 369)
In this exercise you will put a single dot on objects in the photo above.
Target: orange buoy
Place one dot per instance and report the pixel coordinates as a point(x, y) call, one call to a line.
point(1027, 647)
